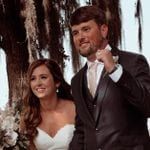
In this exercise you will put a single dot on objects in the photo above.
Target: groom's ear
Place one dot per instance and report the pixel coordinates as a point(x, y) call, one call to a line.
point(104, 30)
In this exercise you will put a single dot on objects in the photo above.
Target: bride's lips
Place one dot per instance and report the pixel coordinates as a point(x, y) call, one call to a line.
point(40, 89)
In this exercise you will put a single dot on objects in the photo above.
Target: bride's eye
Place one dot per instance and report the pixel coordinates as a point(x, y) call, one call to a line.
point(43, 77)
point(32, 78)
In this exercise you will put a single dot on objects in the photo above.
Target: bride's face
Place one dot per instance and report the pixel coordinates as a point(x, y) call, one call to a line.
point(42, 83)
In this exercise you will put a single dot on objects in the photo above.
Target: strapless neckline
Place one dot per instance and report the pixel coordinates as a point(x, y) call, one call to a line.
point(61, 140)
point(59, 130)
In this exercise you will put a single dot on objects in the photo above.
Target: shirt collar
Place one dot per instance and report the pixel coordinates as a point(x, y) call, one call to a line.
point(108, 47)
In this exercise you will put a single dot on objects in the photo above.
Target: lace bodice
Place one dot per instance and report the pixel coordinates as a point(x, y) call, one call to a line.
point(60, 141)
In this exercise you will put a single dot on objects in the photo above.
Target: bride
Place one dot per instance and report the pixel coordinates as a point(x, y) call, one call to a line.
point(49, 113)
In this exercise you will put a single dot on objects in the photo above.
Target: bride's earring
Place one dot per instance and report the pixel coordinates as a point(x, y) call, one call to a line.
point(57, 90)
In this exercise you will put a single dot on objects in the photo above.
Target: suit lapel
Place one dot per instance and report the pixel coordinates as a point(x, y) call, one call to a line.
point(100, 94)
point(101, 90)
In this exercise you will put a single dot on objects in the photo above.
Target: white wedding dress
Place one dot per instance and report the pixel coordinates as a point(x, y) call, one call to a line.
point(60, 141)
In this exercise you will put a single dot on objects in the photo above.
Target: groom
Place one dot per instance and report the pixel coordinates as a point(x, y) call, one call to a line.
point(112, 115)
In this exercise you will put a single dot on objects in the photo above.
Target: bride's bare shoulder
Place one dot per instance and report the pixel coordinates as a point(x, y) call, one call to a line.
point(69, 108)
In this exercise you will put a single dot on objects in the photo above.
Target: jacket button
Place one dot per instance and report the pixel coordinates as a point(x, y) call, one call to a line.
point(96, 130)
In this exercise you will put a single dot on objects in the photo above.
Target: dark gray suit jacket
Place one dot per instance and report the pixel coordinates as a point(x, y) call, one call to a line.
point(118, 120)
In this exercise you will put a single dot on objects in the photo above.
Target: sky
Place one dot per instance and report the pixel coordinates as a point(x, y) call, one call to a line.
point(3, 80)
point(130, 26)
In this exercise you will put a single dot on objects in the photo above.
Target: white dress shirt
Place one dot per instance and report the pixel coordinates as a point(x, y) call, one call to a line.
point(115, 76)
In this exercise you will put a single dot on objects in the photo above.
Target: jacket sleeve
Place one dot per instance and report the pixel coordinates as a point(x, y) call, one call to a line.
point(77, 142)
point(135, 86)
